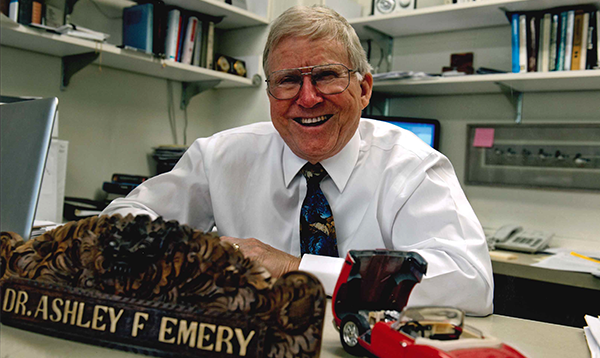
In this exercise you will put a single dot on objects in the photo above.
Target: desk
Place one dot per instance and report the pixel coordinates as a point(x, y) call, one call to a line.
point(534, 339)
point(554, 296)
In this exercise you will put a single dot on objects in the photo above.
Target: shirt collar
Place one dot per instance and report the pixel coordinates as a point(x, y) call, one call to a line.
point(339, 167)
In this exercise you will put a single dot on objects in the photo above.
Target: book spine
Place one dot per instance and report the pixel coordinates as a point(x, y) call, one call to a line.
point(172, 32)
point(546, 42)
point(569, 39)
point(577, 39)
point(597, 42)
point(149, 13)
point(522, 43)
point(592, 55)
point(190, 38)
point(36, 12)
point(25, 7)
point(515, 42)
point(584, 40)
point(180, 36)
point(159, 30)
point(560, 56)
point(553, 42)
point(197, 45)
point(532, 39)
point(540, 47)
point(210, 45)
point(13, 10)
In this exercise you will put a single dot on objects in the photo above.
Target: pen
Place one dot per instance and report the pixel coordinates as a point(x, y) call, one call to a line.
point(584, 257)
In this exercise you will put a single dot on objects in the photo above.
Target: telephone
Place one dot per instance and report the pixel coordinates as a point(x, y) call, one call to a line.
point(515, 238)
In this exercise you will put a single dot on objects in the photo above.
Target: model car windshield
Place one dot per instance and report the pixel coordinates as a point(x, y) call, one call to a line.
point(441, 323)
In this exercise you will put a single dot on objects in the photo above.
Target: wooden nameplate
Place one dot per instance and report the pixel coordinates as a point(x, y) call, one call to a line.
point(223, 306)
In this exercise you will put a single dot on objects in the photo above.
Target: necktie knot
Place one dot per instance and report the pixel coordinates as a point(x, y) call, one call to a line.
point(313, 173)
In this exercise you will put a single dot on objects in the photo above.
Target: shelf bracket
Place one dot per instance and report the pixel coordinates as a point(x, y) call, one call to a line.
point(73, 64)
point(190, 89)
point(516, 99)
point(386, 43)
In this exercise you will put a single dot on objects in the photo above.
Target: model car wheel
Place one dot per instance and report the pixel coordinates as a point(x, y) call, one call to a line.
point(351, 328)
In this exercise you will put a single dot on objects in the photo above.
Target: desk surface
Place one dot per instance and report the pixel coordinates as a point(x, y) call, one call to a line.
point(534, 339)
point(520, 266)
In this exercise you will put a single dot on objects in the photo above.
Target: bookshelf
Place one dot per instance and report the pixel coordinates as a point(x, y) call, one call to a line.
point(588, 80)
point(465, 16)
point(41, 41)
point(454, 17)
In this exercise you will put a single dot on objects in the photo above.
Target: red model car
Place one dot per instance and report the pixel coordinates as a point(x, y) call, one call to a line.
point(369, 310)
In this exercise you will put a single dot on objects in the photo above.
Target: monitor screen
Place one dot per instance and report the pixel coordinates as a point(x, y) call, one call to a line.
point(426, 129)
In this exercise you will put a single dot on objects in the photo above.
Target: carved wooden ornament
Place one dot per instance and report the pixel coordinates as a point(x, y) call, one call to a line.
point(157, 288)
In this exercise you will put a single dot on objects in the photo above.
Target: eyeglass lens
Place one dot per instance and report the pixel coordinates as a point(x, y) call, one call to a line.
point(328, 79)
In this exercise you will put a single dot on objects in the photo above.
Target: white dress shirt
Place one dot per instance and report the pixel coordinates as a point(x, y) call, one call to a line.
point(386, 189)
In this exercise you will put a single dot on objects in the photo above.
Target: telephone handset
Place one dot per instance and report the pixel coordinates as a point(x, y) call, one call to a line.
point(515, 238)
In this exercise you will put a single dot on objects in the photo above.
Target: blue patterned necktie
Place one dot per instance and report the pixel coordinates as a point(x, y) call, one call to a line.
point(317, 229)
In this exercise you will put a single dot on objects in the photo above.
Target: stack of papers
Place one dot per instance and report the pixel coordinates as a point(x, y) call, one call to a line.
point(562, 259)
point(397, 75)
point(592, 335)
point(41, 226)
point(75, 31)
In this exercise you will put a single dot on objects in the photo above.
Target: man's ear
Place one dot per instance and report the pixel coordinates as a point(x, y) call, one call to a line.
point(366, 87)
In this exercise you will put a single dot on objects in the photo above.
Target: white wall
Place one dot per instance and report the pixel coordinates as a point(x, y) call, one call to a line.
point(567, 213)
point(112, 119)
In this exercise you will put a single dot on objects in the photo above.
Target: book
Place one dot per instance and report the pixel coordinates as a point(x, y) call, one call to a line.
point(25, 9)
point(13, 10)
point(592, 48)
point(159, 30)
point(173, 28)
point(545, 29)
point(138, 27)
point(210, 38)
point(54, 13)
point(197, 45)
point(554, 37)
point(36, 12)
point(189, 40)
point(577, 39)
point(532, 43)
point(561, 40)
point(181, 35)
point(584, 40)
point(540, 46)
point(522, 43)
point(514, 23)
point(569, 40)
point(597, 41)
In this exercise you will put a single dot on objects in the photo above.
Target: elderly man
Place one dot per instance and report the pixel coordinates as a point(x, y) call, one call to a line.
point(274, 189)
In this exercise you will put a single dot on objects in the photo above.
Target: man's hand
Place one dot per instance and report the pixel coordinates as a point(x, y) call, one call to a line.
point(276, 261)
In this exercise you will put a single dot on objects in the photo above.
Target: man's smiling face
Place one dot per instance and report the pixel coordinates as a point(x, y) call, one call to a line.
point(316, 126)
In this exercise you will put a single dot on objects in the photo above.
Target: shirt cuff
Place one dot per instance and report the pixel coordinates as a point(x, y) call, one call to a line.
point(327, 269)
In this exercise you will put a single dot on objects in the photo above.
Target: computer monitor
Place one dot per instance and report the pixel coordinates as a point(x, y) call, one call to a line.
point(426, 129)
point(26, 132)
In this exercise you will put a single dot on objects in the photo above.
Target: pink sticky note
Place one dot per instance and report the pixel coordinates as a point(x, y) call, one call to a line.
point(484, 137)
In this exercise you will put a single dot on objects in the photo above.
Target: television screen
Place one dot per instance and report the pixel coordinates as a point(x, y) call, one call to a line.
point(426, 129)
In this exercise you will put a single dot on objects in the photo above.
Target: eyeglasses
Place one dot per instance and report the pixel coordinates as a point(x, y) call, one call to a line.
point(327, 79)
